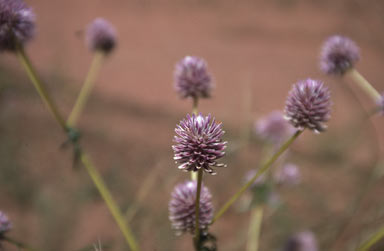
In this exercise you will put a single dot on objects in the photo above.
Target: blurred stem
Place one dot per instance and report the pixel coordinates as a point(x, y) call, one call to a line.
point(18, 244)
point(364, 84)
point(194, 111)
point(372, 241)
point(197, 209)
point(32, 74)
point(254, 228)
point(260, 171)
point(99, 183)
point(87, 88)
point(112, 205)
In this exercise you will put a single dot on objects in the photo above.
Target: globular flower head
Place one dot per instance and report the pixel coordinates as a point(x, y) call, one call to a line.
point(308, 105)
point(182, 207)
point(5, 223)
point(192, 78)
point(288, 174)
point(338, 55)
point(17, 24)
point(273, 127)
point(198, 143)
point(303, 241)
point(101, 36)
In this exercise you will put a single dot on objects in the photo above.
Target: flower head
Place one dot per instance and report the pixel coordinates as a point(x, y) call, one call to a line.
point(101, 36)
point(198, 143)
point(17, 24)
point(288, 174)
point(273, 127)
point(308, 105)
point(182, 207)
point(192, 78)
point(338, 55)
point(303, 241)
point(5, 223)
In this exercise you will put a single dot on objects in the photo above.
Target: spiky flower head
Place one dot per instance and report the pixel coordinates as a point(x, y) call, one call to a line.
point(273, 127)
point(303, 241)
point(5, 223)
point(288, 174)
point(308, 105)
point(198, 143)
point(182, 207)
point(192, 78)
point(17, 24)
point(338, 55)
point(101, 36)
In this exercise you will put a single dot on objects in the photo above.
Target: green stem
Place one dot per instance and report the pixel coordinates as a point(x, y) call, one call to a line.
point(100, 185)
point(372, 241)
point(18, 244)
point(262, 170)
point(32, 74)
point(86, 89)
point(197, 209)
point(254, 228)
point(364, 84)
point(112, 205)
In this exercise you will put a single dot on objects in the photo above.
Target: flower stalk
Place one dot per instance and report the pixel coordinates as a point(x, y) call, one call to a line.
point(372, 241)
point(87, 88)
point(260, 171)
point(197, 209)
point(92, 171)
point(254, 228)
point(363, 84)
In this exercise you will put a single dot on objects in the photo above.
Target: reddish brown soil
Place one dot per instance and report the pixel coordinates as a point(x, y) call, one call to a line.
point(255, 50)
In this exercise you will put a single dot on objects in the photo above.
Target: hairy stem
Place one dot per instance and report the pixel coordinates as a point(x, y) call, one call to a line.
point(99, 183)
point(86, 89)
point(364, 84)
point(261, 170)
point(197, 209)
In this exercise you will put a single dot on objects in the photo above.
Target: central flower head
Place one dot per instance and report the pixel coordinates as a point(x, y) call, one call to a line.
point(198, 143)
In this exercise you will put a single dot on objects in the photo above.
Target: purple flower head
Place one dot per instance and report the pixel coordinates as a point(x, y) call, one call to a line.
point(308, 105)
point(338, 55)
point(17, 24)
point(273, 127)
point(182, 207)
point(198, 143)
point(380, 103)
point(101, 36)
point(303, 241)
point(288, 174)
point(5, 224)
point(192, 78)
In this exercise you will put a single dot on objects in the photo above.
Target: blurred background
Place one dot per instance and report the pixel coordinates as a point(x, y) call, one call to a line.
point(255, 50)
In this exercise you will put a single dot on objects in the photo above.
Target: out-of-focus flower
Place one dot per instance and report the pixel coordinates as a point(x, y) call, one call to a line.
point(101, 36)
point(5, 223)
point(288, 174)
point(198, 143)
point(273, 127)
point(17, 24)
point(380, 103)
point(192, 78)
point(308, 105)
point(303, 241)
point(182, 209)
point(338, 55)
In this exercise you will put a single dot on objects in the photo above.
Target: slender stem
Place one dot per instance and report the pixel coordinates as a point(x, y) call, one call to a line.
point(262, 170)
point(254, 228)
point(364, 84)
point(86, 89)
point(18, 244)
point(197, 209)
point(32, 74)
point(97, 179)
point(194, 111)
point(112, 205)
point(372, 241)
